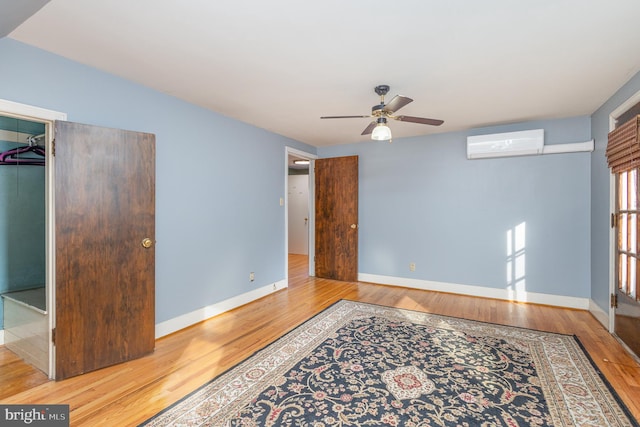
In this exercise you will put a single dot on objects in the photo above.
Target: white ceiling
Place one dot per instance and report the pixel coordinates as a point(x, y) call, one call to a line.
point(14, 13)
point(281, 64)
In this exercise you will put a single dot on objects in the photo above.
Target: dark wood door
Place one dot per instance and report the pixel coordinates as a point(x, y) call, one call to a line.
point(104, 276)
point(336, 188)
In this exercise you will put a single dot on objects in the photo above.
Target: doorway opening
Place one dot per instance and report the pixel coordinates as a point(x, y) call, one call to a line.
point(299, 215)
point(625, 235)
point(26, 233)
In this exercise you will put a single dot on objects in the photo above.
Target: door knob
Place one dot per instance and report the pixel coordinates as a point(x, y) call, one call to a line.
point(354, 226)
point(147, 243)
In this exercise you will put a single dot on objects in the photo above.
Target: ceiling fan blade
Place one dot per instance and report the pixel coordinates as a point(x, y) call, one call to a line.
point(369, 128)
point(421, 120)
point(344, 117)
point(396, 103)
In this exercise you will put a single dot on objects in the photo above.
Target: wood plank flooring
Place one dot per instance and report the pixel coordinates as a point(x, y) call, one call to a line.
point(129, 393)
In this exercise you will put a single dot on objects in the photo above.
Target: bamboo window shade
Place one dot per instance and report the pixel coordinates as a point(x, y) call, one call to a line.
point(623, 147)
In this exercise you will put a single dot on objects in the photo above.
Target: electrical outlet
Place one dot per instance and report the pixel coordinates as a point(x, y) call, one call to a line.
point(412, 266)
point(252, 276)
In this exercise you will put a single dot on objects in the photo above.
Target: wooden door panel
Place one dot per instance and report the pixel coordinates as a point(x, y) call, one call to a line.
point(104, 208)
point(336, 187)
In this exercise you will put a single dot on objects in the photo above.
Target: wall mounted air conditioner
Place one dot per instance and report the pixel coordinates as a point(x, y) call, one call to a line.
point(524, 143)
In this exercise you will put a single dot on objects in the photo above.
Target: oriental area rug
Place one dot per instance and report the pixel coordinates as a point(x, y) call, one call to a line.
point(358, 364)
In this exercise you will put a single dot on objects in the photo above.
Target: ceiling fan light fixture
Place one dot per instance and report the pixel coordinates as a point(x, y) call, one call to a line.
point(381, 132)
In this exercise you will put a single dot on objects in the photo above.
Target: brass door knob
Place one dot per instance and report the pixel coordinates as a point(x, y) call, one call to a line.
point(354, 226)
point(147, 243)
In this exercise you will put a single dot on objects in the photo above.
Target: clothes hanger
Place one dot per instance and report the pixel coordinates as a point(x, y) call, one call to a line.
point(12, 156)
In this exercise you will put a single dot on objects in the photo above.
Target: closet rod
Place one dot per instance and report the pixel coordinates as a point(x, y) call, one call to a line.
point(32, 140)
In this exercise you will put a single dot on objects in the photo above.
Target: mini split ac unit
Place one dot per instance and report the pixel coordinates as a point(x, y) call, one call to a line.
point(524, 143)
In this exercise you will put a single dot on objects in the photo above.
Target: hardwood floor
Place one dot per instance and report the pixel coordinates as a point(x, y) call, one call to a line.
point(129, 393)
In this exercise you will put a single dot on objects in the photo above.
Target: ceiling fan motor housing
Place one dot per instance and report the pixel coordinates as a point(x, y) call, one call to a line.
point(377, 110)
point(381, 90)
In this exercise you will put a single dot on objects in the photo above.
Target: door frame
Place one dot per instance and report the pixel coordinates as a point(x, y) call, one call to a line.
point(312, 222)
point(48, 117)
point(613, 116)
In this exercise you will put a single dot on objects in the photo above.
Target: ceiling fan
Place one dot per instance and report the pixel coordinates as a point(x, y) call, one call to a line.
point(381, 112)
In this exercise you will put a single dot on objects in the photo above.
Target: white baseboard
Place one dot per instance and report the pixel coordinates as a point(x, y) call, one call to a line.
point(172, 325)
point(478, 291)
point(600, 315)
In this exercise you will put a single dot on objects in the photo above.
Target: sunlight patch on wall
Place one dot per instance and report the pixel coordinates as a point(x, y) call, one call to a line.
point(516, 272)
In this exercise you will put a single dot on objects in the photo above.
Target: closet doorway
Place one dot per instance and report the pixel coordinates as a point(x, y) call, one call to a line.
point(24, 317)
point(99, 243)
point(24, 313)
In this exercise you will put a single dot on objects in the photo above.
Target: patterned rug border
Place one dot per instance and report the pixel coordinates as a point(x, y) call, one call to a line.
point(581, 346)
point(606, 382)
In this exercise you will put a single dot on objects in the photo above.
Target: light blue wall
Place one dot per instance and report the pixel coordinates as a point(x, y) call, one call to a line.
point(218, 180)
point(422, 201)
point(601, 195)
